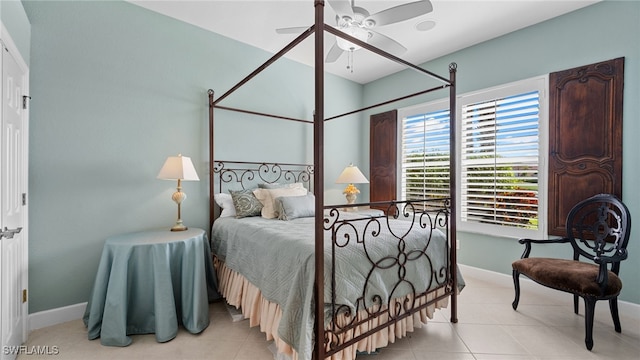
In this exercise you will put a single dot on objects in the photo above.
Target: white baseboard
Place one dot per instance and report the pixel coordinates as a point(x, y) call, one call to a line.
point(75, 312)
point(56, 316)
point(625, 308)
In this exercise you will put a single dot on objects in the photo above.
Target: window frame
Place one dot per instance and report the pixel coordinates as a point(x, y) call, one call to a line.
point(538, 83)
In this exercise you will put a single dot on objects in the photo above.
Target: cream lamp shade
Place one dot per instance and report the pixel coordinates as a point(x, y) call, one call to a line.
point(178, 168)
point(351, 175)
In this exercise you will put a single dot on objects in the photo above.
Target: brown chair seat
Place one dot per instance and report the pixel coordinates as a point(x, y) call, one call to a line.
point(567, 275)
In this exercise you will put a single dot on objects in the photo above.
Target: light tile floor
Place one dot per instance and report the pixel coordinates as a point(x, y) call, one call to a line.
point(544, 327)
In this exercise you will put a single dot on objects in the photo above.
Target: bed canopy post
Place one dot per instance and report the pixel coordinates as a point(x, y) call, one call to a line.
point(211, 162)
point(318, 179)
point(453, 196)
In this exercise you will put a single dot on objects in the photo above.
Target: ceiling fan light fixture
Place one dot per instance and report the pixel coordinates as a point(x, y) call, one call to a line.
point(355, 31)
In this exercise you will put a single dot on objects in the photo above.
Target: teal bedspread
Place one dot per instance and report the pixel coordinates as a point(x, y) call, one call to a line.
point(278, 257)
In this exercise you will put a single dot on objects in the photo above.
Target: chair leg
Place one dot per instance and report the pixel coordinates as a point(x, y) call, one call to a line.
point(613, 305)
point(589, 310)
point(516, 286)
point(575, 304)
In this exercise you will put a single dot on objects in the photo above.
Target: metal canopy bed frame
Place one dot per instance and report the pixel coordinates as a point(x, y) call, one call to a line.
point(444, 209)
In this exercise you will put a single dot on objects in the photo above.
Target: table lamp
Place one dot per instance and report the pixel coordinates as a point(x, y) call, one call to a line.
point(178, 168)
point(351, 175)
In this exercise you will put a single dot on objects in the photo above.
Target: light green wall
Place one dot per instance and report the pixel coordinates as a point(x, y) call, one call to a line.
point(16, 22)
point(116, 89)
point(599, 32)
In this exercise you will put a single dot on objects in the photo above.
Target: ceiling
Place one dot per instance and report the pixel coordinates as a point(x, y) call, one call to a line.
point(458, 24)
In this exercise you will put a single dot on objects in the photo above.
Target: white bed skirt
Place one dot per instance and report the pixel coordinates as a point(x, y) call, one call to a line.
point(245, 296)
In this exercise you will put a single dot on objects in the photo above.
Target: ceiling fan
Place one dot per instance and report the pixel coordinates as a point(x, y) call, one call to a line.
point(359, 23)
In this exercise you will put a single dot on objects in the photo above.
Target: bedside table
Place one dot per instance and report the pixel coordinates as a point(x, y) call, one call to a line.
point(151, 282)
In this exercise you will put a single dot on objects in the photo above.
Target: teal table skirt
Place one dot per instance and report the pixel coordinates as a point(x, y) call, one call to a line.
point(151, 282)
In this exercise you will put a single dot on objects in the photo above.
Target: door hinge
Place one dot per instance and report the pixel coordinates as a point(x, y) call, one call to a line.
point(24, 199)
point(24, 101)
point(24, 295)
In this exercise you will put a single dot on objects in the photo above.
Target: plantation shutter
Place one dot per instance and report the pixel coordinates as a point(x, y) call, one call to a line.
point(499, 161)
point(425, 156)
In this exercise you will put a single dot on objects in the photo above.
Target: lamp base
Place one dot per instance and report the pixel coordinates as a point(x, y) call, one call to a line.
point(179, 197)
point(351, 199)
point(179, 228)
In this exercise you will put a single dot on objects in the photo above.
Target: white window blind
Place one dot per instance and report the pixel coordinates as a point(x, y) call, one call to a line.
point(425, 153)
point(499, 161)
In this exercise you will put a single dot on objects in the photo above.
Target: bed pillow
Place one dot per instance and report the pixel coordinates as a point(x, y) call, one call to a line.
point(245, 203)
point(225, 201)
point(271, 185)
point(267, 198)
point(293, 207)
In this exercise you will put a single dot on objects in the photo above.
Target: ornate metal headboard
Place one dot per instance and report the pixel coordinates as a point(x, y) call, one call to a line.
point(238, 175)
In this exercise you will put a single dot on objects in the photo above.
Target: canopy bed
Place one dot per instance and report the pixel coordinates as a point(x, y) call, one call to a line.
point(274, 251)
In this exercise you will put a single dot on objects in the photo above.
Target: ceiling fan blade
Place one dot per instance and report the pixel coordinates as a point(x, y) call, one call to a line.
point(401, 13)
point(291, 30)
point(386, 43)
point(342, 7)
point(333, 54)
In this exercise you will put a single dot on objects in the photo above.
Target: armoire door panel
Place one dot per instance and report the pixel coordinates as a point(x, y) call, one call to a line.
point(585, 136)
point(383, 157)
point(573, 188)
point(575, 121)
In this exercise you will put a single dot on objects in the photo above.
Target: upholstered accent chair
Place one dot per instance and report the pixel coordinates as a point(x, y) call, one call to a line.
point(598, 230)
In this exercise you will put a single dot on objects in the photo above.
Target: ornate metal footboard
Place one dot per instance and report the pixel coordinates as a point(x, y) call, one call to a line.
point(375, 311)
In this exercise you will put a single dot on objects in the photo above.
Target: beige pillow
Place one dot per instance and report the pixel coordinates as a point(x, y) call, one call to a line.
point(268, 197)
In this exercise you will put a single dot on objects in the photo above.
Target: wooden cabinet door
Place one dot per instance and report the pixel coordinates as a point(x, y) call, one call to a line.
point(383, 156)
point(585, 136)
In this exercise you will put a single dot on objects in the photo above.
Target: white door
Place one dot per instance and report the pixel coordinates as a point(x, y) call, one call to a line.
point(13, 216)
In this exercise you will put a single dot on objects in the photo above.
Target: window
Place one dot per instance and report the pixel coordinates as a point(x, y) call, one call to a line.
point(501, 185)
point(425, 152)
point(501, 157)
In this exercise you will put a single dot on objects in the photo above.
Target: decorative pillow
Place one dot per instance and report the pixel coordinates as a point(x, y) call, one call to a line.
point(293, 207)
point(271, 185)
point(267, 198)
point(292, 186)
point(245, 203)
point(225, 201)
